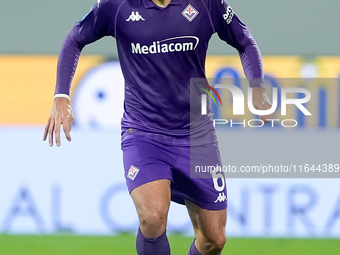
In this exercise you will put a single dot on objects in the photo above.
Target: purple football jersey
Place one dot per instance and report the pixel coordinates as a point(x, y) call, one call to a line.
point(160, 50)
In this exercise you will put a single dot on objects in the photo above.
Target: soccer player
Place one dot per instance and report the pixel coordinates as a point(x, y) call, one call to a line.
point(162, 44)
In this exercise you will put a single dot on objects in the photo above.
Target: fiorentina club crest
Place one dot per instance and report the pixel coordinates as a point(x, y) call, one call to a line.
point(190, 13)
point(133, 171)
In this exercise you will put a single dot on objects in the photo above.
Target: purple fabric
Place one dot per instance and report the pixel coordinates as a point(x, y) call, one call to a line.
point(193, 250)
point(152, 246)
point(146, 160)
point(159, 62)
point(238, 36)
point(67, 64)
point(251, 60)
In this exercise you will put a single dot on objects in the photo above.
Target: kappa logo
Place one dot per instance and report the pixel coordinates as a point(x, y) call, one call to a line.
point(133, 171)
point(221, 198)
point(190, 13)
point(135, 16)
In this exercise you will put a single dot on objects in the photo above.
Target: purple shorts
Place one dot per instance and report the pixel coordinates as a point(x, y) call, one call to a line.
point(146, 160)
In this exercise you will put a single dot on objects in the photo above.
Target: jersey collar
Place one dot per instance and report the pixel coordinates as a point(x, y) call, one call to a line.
point(149, 4)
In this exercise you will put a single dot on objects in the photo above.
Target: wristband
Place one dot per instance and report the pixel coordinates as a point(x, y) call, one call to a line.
point(62, 95)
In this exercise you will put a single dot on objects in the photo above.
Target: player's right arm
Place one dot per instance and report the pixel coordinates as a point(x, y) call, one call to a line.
point(99, 22)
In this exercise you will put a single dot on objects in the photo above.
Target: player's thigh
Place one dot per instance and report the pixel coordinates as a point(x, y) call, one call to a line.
point(152, 197)
point(209, 225)
point(148, 174)
point(152, 201)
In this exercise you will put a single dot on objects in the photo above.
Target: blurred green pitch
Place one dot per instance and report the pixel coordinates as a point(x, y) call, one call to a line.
point(125, 244)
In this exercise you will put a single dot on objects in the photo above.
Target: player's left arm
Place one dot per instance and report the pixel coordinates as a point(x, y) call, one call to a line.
point(233, 31)
point(262, 102)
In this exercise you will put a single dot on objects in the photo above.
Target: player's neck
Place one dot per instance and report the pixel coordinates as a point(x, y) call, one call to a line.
point(161, 3)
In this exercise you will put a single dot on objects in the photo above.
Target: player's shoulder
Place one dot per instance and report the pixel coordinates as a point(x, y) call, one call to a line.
point(117, 4)
point(109, 3)
point(214, 3)
point(205, 2)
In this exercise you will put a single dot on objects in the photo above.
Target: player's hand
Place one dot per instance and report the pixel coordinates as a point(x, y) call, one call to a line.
point(61, 115)
point(262, 102)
